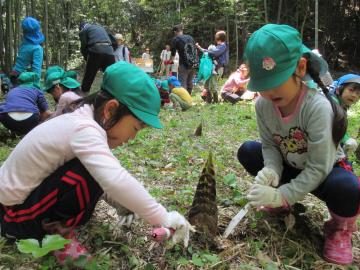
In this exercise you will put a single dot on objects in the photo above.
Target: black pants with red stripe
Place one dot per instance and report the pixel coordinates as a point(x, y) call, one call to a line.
point(67, 197)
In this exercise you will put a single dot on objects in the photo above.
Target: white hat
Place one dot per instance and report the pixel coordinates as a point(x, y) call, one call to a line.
point(119, 36)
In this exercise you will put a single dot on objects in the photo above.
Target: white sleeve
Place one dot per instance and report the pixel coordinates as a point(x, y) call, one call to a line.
point(91, 148)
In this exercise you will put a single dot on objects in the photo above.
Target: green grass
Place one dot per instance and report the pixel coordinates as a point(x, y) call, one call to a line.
point(169, 162)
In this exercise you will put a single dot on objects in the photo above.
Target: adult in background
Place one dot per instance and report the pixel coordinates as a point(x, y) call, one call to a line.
point(122, 52)
point(30, 56)
point(97, 50)
point(186, 48)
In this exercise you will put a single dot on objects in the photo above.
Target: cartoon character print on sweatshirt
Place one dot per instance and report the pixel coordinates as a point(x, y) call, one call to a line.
point(293, 147)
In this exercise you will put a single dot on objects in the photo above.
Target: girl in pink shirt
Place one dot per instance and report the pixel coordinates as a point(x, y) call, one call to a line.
point(235, 86)
point(54, 177)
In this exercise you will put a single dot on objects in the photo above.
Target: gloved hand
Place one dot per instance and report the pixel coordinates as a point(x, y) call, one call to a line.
point(350, 146)
point(181, 226)
point(267, 177)
point(126, 217)
point(260, 195)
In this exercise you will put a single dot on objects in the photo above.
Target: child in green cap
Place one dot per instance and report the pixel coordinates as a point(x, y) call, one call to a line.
point(300, 130)
point(64, 89)
point(67, 165)
point(25, 106)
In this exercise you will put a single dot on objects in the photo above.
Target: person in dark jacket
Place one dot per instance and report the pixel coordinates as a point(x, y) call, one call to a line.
point(186, 73)
point(97, 50)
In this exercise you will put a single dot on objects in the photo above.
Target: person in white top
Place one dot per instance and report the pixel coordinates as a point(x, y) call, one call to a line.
point(175, 65)
point(122, 51)
point(52, 180)
point(165, 61)
point(146, 55)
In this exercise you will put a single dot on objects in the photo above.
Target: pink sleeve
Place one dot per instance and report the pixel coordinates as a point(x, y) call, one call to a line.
point(90, 146)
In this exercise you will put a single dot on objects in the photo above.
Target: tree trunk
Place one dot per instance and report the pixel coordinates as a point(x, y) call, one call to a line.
point(2, 62)
point(68, 23)
point(279, 12)
point(237, 42)
point(266, 12)
point(17, 26)
point(33, 8)
point(9, 35)
point(46, 26)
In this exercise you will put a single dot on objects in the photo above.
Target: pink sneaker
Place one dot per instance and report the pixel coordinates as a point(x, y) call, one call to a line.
point(73, 250)
point(337, 233)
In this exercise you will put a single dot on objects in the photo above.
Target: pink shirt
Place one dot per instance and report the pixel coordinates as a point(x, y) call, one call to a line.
point(65, 100)
point(234, 81)
point(54, 142)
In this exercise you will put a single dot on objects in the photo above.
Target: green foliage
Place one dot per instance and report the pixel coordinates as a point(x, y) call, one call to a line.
point(49, 243)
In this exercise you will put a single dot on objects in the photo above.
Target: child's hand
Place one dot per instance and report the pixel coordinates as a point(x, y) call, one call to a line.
point(180, 225)
point(350, 146)
point(260, 195)
point(267, 177)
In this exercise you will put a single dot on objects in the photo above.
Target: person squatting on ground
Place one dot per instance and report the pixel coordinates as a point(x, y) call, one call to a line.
point(30, 55)
point(300, 131)
point(236, 84)
point(64, 89)
point(25, 106)
point(185, 46)
point(97, 50)
point(178, 95)
point(346, 92)
point(67, 164)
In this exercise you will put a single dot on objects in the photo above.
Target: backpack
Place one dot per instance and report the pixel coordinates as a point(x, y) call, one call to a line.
point(191, 58)
point(112, 39)
point(123, 53)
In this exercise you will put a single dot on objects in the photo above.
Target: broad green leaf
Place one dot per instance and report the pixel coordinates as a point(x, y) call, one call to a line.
point(230, 180)
point(49, 243)
point(211, 258)
point(196, 260)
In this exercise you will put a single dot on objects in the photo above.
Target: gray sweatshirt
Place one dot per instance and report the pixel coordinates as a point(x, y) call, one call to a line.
point(303, 140)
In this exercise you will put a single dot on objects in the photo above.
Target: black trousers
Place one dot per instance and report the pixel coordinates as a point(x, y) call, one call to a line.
point(67, 198)
point(20, 127)
point(94, 62)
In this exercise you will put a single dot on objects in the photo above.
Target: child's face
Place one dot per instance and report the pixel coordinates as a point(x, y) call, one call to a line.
point(167, 47)
point(124, 130)
point(351, 94)
point(57, 92)
point(119, 41)
point(286, 95)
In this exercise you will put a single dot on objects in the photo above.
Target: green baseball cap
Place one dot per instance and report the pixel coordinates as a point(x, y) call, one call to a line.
point(165, 85)
point(53, 78)
point(135, 89)
point(30, 79)
point(53, 69)
point(272, 54)
point(72, 74)
point(59, 77)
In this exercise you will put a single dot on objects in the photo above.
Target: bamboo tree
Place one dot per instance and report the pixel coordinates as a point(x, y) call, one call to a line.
point(9, 35)
point(46, 26)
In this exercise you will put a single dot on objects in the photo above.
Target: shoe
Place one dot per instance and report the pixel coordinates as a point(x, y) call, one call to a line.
point(337, 233)
point(71, 251)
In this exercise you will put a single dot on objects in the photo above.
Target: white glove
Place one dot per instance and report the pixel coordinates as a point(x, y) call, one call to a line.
point(350, 146)
point(181, 226)
point(126, 217)
point(267, 177)
point(260, 195)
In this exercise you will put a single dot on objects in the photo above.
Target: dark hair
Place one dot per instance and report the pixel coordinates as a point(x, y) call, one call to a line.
point(177, 28)
point(339, 124)
point(220, 35)
point(98, 100)
point(342, 87)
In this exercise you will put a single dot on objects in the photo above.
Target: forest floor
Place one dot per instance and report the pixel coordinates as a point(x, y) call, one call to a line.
point(169, 162)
